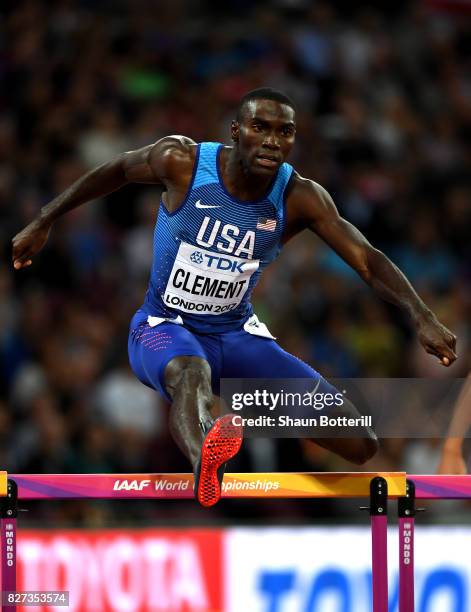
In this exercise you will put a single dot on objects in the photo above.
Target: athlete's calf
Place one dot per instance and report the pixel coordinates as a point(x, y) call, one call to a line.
point(207, 444)
point(188, 382)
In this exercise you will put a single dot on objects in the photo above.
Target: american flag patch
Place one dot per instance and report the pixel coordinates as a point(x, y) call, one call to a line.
point(268, 225)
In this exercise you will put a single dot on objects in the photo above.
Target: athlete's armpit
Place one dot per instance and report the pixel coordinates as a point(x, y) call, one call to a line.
point(165, 161)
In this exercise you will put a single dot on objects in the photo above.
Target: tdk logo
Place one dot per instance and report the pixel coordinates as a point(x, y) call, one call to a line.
point(222, 263)
point(217, 263)
point(196, 257)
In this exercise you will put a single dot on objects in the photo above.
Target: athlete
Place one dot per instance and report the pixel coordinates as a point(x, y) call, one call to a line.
point(452, 460)
point(224, 215)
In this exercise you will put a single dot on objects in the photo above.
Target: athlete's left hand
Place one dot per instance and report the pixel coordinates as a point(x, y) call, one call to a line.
point(437, 340)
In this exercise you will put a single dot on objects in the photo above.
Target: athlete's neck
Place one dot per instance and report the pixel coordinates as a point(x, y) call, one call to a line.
point(238, 180)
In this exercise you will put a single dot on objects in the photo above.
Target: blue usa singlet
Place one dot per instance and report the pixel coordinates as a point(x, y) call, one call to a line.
point(209, 253)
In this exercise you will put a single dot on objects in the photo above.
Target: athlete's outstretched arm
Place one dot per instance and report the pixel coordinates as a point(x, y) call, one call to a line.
point(309, 205)
point(157, 163)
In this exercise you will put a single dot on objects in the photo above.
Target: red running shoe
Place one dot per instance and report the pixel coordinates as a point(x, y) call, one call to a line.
point(222, 442)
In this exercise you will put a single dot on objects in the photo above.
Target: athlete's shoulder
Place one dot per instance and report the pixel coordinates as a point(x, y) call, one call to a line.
point(160, 162)
point(175, 143)
point(308, 199)
point(172, 155)
point(301, 186)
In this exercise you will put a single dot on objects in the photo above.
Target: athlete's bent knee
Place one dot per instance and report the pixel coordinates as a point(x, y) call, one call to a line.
point(364, 450)
point(356, 450)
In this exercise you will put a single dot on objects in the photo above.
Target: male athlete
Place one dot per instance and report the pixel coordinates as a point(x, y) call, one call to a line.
point(225, 212)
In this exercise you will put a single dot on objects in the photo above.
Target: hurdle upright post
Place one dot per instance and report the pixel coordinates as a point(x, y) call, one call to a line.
point(379, 542)
point(8, 517)
point(406, 513)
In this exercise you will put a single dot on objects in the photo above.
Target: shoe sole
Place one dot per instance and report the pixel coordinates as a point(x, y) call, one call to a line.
point(222, 442)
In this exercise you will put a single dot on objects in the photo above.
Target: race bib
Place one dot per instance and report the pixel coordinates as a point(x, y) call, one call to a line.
point(208, 283)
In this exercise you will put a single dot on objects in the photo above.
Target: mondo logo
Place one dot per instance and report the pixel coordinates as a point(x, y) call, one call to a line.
point(406, 543)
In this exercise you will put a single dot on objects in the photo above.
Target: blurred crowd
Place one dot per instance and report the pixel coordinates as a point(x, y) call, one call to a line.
point(384, 123)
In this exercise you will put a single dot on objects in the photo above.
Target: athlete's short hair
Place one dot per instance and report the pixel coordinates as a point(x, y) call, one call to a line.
point(263, 93)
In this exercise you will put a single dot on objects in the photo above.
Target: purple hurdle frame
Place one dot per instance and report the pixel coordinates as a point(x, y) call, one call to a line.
point(8, 517)
point(406, 521)
point(379, 542)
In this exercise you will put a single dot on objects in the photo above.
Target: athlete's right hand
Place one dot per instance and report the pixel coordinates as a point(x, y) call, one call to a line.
point(29, 242)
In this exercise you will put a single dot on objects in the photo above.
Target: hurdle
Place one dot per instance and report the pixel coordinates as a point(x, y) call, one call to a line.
point(378, 487)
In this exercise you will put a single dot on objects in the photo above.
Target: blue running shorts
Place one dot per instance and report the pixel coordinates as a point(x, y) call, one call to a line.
point(234, 354)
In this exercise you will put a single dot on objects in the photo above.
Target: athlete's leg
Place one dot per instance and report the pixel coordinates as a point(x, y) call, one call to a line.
point(170, 359)
point(208, 445)
point(250, 356)
point(188, 383)
point(357, 450)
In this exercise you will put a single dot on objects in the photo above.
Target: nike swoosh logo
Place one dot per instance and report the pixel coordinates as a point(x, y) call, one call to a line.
point(199, 205)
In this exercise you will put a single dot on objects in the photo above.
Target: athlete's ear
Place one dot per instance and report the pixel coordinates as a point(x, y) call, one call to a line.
point(235, 130)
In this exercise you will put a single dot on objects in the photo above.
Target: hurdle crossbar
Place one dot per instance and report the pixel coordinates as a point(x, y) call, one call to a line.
point(180, 486)
point(239, 485)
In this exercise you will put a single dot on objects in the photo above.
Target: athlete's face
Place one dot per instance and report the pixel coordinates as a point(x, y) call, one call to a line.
point(264, 135)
